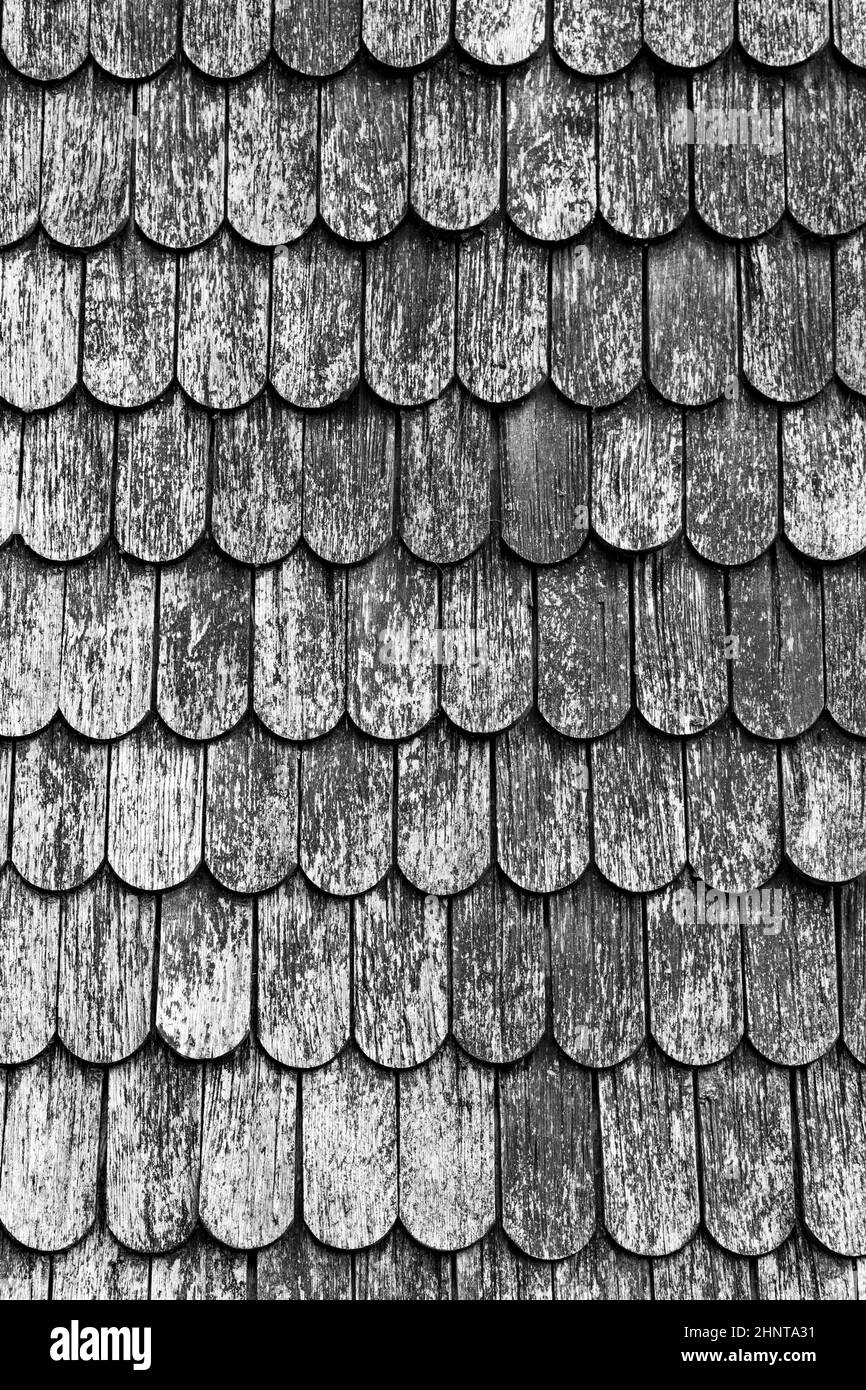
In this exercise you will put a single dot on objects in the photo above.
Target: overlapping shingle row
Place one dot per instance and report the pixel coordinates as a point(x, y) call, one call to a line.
point(432, 724)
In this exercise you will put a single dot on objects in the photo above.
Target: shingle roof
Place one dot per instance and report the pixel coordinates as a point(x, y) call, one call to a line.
point(432, 499)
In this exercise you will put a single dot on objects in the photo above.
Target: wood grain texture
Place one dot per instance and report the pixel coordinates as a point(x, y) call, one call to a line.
point(316, 320)
point(10, 470)
point(493, 1268)
point(29, 942)
point(544, 474)
point(791, 989)
point(99, 1268)
point(744, 1122)
point(501, 314)
point(248, 1149)
point(204, 995)
point(129, 310)
point(596, 318)
point(154, 1148)
point(364, 179)
point(600, 1272)
point(199, 1270)
point(499, 31)
point(40, 298)
point(733, 808)
point(443, 809)
point(393, 616)
point(86, 149)
point(180, 158)
point(251, 810)
point(849, 270)
point(397, 1269)
point(551, 150)
point(584, 659)
point(643, 170)
point(694, 978)
point(455, 145)
point(688, 33)
point(404, 33)
point(831, 1109)
point(50, 1141)
point(105, 977)
point(409, 317)
point(226, 45)
point(732, 478)
point(204, 639)
point(349, 460)
point(346, 812)
point(680, 671)
point(852, 966)
point(648, 1144)
point(162, 458)
point(298, 1268)
point(542, 812)
point(156, 805)
point(58, 811)
point(637, 455)
point(548, 1200)
point(106, 658)
point(258, 461)
point(844, 630)
point(801, 1269)
point(825, 138)
point(637, 783)
point(446, 460)
point(739, 183)
point(498, 970)
point(317, 37)
point(45, 41)
point(778, 687)
point(786, 299)
point(692, 317)
point(487, 619)
point(598, 37)
point(447, 1151)
point(303, 981)
point(20, 155)
point(299, 646)
point(849, 33)
point(597, 972)
point(222, 323)
point(702, 1271)
point(824, 784)
point(273, 124)
point(64, 509)
point(824, 457)
point(31, 620)
point(401, 974)
point(783, 33)
point(131, 39)
point(24, 1275)
point(350, 1151)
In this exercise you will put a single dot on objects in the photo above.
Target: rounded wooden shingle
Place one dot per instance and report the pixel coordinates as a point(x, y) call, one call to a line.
point(787, 319)
point(849, 30)
point(542, 806)
point(744, 1123)
point(248, 1149)
point(300, 646)
point(455, 145)
point(303, 998)
point(782, 32)
point(86, 149)
point(226, 43)
point(180, 158)
point(739, 147)
point(400, 973)
point(596, 318)
point(447, 458)
point(845, 643)
point(544, 467)
point(349, 460)
point(732, 478)
point(129, 311)
point(315, 320)
point(131, 39)
point(732, 797)
point(825, 136)
point(831, 1109)
point(643, 165)
point(204, 993)
point(256, 501)
point(29, 946)
point(499, 32)
point(222, 323)
point(50, 1144)
point(40, 299)
point(105, 978)
point(273, 124)
point(447, 1151)
point(317, 37)
point(849, 270)
point(637, 472)
point(350, 1151)
point(251, 811)
point(824, 461)
point(20, 155)
point(597, 37)
point(443, 809)
point(155, 808)
point(58, 811)
point(824, 784)
point(550, 150)
point(639, 817)
point(31, 622)
point(107, 652)
point(64, 509)
point(409, 317)
point(364, 179)
point(404, 33)
point(346, 811)
point(45, 40)
point(688, 33)
point(692, 317)
point(161, 479)
point(501, 314)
